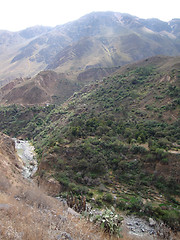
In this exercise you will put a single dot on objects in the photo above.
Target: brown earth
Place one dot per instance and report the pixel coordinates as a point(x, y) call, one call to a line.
point(49, 87)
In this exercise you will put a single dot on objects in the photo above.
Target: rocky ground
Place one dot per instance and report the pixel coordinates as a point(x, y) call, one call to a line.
point(27, 154)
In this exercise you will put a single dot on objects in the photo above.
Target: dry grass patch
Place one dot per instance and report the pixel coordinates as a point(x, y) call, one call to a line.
point(33, 215)
point(4, 183)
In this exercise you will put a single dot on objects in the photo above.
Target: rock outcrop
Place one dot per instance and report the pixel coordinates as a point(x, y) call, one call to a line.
point(9, 161)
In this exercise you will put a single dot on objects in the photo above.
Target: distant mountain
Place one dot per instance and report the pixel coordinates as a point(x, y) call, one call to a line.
point(99, 39)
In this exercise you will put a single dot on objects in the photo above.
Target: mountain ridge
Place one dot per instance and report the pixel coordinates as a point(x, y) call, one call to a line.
point(38, 48)
point(49, 87)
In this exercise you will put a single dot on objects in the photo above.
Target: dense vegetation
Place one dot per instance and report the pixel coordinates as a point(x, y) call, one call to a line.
point(108, 139)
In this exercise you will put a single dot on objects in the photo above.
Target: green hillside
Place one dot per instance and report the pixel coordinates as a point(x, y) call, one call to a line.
point(116, 141)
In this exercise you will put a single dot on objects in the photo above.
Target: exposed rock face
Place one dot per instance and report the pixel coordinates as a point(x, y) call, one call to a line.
point(10, 165)
point(7, 145)
point(64, 236)
point(51, 186)
point(8, 154)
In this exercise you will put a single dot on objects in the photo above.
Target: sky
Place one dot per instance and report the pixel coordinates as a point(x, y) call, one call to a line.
point(16, 15)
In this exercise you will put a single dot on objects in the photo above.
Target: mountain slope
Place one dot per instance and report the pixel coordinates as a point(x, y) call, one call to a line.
point(49, 87)
point(98, 39)
point(117, 140)
point(10, 45)
point(25, 209)
point(117, 39)
point(44, 88)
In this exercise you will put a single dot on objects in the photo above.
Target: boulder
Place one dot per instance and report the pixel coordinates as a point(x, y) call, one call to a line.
point(152, 222)
point(64, 236)
point(72, 212)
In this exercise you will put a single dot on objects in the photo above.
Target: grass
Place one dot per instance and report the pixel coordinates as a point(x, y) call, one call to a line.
point(33, 215)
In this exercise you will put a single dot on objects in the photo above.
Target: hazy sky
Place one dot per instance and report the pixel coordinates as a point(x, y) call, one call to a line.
point(20, 14)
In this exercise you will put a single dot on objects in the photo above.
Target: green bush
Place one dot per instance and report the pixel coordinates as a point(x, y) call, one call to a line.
point(138, 149)
point(109, 221)
point(149, 157)
point(77, 189)
point(121, 205)
point(108, 198)
point(135, 205)
point(99, 201)
point(63, 179)
point(148, 209)
point(160, 153)
point(172, 219)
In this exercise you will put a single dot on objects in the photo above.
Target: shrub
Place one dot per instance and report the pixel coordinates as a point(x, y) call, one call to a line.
point(135, 205)
point(138, 149)
point(121, 205)
point(99, 201)
point(160, 153)
point(172, 218)
point(164, 143)
point(63, 179)
point(165, 160)
point(109, 221)
point(108, 198)
point(75, 131)
point(150, 157)
point(148, 209)
point(78, 189)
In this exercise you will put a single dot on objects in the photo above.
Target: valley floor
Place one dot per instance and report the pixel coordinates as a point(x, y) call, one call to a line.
point(27, 213)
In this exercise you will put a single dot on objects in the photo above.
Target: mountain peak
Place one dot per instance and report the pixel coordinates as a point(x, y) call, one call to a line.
point(98, 39)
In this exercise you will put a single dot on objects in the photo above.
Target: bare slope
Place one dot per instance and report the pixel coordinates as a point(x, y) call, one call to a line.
point(49, 87)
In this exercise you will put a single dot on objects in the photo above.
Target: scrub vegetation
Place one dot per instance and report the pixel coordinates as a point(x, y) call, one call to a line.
point(116, 141)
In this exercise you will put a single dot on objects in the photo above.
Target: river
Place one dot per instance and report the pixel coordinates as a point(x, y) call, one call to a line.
point(27, 154)
point(134, 225)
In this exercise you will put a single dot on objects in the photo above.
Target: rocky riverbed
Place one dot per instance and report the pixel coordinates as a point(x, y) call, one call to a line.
point(27, 154)
point(136, 227)
point(140, 228)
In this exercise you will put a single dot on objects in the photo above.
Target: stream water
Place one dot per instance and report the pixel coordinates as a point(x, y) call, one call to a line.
point(27, 154)
point(134, 225)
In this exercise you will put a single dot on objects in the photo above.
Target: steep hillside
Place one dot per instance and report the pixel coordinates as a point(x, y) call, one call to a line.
point(113, 39)
point(10, 45)
point(26, 212)
point(44, 88)
point(99, 39)
point(49, 87)
point(117, 140)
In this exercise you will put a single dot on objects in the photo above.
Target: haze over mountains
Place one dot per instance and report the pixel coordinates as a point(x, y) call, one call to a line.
point(99, 39)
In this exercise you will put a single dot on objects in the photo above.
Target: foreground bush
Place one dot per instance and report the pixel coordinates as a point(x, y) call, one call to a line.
point(109, 221)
